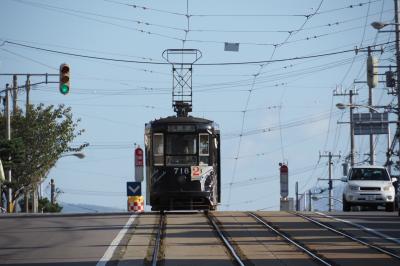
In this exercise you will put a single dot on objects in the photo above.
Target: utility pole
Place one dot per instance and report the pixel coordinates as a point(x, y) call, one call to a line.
point(53, 191)
point(330, 156)
point(8, 136)
point(15, 94)
point(28, 89)
point(351, 93)
point(297, 196)
point(397, 29)
point(371, 136)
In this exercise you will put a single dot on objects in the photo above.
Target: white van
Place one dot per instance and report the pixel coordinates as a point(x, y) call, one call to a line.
point(368, 186)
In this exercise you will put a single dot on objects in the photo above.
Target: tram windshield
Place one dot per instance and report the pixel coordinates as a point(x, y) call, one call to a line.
point(181, 149)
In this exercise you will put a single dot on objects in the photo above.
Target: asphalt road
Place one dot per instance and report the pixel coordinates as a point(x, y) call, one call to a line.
point(58, 240)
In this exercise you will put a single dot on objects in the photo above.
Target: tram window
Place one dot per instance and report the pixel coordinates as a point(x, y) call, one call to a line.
point(203, 144)
point(158, 148)
point(181, 144)
point(204, 149)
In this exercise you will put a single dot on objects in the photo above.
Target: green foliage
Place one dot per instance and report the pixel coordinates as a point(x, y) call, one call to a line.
point(46, 206)
point(38, 140)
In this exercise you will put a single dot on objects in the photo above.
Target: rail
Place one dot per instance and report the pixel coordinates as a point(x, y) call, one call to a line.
point(295, 243)
point(157, 245)
point(225, 240)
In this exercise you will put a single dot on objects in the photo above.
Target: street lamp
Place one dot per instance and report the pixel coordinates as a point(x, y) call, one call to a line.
point(80, 155)
point(318, 198)
point(380, 25)
point(343, 106)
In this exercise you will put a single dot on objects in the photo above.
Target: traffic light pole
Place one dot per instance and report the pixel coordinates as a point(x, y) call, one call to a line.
point(8, 136)
point(7, 91)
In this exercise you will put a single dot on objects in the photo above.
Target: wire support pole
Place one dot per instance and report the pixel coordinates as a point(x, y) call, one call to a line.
point(330, 156)
point(397, 29)
point(351, 93)
point(371, 136)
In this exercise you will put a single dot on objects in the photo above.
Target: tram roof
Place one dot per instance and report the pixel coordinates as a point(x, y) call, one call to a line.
point(180, 120)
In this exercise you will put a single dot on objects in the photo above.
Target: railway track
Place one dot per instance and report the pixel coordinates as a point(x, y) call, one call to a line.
point(157, 256)
point(301, 247)
point(262, 238)
point(362, 240)
point(229, 246)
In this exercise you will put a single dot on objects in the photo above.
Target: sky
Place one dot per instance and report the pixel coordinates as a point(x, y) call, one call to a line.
point(276, 105)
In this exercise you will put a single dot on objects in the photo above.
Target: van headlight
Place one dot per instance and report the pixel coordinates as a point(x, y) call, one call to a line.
point(353, 188)
point(388, 188)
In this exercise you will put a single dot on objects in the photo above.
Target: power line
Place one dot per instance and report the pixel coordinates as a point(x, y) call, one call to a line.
point(198, 64)
point(326, 25)
point(63, 9)
point(146, 8)
point(256, 75)
point(113, 24)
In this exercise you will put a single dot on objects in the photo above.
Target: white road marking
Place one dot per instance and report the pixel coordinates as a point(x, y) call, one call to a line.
point(373, 231)
point(114, 244)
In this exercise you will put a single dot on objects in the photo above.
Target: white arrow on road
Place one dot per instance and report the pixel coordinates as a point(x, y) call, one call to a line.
point(134, 190)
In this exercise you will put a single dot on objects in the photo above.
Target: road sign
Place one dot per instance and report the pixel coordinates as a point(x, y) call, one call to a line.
point(231, 47)
point(370, 123)
point(133, 189)
point(139, 175)
point(284, 174)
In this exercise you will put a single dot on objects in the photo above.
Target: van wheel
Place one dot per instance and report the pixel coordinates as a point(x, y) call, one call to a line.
point(389, 207)
point(346, 205)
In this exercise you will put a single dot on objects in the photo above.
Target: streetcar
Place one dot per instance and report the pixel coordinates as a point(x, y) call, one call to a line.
point(182, 163)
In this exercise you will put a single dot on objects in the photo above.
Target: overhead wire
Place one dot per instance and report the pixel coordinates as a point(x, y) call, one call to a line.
point(76, 11)
point(248, 100)
point(336, 138)
point(197, 64)
point(73, 13)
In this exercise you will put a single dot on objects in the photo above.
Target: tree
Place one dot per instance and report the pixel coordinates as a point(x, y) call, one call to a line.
point(44, 205)
point(38, 139)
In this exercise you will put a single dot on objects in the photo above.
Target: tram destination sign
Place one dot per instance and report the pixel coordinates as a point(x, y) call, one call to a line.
point(371, 123)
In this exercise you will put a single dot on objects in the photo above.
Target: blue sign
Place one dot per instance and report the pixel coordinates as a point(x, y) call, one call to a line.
point(133, 189)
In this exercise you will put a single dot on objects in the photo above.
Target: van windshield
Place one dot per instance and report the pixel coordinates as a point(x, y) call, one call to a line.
point(369, 174)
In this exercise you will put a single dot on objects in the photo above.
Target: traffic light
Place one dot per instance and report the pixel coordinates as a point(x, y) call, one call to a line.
point(390, 81)
point(372, 71)
point(64, 78)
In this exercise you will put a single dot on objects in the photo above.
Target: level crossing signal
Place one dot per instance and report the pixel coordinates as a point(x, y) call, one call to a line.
point(64, 78)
